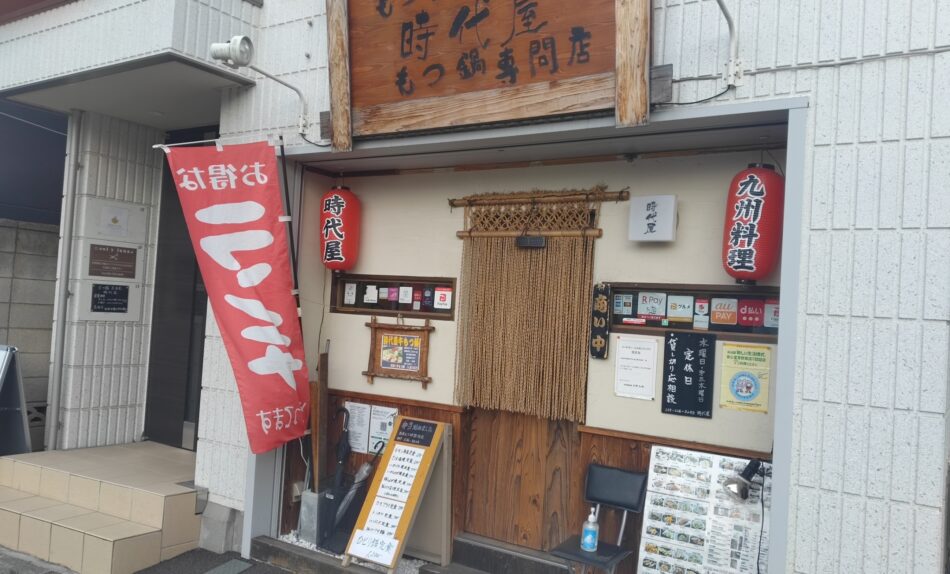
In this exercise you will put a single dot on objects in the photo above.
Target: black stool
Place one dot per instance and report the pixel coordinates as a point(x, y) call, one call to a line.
point(614, 488)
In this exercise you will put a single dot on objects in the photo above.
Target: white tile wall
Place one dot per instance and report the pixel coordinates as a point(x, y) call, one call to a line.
point(291, 43)
point(88, 34)
point(105, 364)
point(869, 475)
point(222, 437)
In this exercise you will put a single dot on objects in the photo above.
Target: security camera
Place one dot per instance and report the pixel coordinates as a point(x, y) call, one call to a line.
point(237, 53)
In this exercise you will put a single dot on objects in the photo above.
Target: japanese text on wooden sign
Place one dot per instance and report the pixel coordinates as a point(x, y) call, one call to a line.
point(408, 50)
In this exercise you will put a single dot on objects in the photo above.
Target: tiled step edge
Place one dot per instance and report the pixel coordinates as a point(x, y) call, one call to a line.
point(172, 511)
point(80, 539)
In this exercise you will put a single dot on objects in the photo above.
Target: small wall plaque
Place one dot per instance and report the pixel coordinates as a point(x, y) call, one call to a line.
point(653, 218)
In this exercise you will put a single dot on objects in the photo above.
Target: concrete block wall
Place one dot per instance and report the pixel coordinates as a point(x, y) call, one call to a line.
point(869, 469)
point(105, 364)
point(27, 276)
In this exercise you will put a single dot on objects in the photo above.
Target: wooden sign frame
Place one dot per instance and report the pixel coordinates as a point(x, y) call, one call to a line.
point(626, 89)
point(428, 505)
point(378, 332)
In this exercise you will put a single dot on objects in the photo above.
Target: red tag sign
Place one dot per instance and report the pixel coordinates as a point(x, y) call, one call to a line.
point(231, 201)
point(751, 313)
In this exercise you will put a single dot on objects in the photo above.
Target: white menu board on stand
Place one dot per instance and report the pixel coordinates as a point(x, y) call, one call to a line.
point(690, 525)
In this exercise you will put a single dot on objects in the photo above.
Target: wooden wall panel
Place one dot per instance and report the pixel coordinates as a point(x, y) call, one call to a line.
point(506, 477)
point(419, 409)
point(526, 478)
point(560, 467)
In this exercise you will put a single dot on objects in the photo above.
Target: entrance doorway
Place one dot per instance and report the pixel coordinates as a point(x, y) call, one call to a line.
point(178, 324)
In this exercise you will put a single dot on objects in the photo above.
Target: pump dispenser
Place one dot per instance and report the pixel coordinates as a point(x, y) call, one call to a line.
point(590, 532)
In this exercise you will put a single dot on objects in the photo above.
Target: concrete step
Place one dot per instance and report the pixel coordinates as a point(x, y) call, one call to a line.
point(452, 568)
point(497, 557)
point(108, 510)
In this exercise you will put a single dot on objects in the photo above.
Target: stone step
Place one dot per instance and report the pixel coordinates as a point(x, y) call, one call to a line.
point(453, 568)
point(492, 556)
point(81, 539)
point(100, 510)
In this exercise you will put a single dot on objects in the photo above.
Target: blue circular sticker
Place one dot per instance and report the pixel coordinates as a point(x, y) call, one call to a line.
point(744, 386)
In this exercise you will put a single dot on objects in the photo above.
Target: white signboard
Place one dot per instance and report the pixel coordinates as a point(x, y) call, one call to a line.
point(373, 547)
point(691, 525)
point(401, 472)
point(653, 218)
point(635, 367)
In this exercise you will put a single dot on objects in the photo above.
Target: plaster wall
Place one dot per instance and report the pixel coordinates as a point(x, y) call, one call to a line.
point(409, 229)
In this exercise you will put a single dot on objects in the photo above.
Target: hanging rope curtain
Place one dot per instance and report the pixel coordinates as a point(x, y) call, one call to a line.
point(525, 313)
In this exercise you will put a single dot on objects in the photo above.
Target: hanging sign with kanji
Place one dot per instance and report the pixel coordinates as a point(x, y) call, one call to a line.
point(231, 200)
point(600, 322)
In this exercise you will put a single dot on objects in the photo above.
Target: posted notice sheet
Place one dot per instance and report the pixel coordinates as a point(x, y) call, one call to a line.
point(635, 367)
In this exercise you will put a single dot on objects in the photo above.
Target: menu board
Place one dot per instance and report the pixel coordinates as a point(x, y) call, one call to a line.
point(690, 524)
point(398, 486)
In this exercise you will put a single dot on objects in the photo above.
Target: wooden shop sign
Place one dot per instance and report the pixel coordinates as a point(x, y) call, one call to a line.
point(398, 65)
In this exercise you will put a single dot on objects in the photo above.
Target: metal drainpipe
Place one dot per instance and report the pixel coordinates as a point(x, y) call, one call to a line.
point(734, 65)
point(73, 166)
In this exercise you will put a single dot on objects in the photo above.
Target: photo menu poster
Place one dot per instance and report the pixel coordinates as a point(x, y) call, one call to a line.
point(691, 526)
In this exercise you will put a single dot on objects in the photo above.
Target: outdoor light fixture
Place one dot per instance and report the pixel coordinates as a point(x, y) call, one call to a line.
point(737, 487)
point(237, 53)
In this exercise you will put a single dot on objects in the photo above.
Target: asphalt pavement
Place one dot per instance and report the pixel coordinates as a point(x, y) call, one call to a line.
point(194, 562)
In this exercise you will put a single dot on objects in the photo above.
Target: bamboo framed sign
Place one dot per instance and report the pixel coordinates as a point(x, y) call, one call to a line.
point(398, 65)
point(399, 351)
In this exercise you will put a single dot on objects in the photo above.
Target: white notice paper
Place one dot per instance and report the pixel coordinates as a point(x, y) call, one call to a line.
point(373, 547)
point(405, 295)
point(358, 425)
point(381, 424)
point(349, 294)
point(401, 472)
point(635, 367)
point(369, 296)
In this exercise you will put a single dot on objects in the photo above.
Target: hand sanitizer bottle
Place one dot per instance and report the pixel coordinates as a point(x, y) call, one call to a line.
point(590, 532)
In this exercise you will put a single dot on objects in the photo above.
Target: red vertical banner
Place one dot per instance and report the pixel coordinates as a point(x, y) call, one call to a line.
point(232, 205)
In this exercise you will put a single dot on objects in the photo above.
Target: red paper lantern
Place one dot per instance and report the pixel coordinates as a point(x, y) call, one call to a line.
point(340, 213)
point(752, 234)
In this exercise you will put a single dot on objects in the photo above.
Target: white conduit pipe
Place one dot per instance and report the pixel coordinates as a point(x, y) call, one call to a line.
point(73, 136)
point(733, 67)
